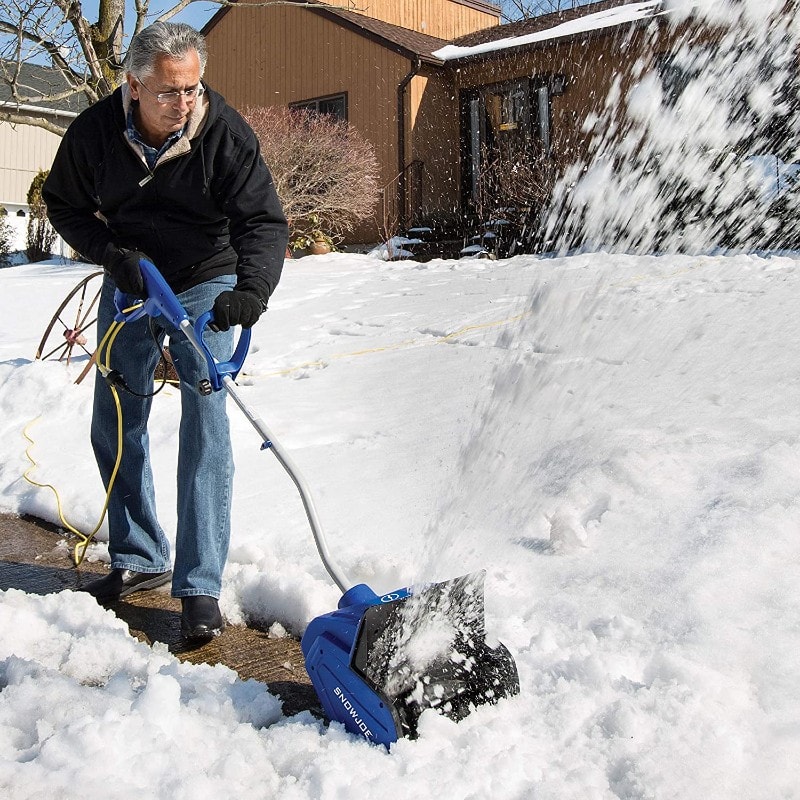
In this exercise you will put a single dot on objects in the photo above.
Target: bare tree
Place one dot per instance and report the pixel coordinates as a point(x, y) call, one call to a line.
point(526, 9)
point(85, 57)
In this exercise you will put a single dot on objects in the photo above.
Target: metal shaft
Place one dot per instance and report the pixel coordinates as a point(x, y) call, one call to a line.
point(286, 461)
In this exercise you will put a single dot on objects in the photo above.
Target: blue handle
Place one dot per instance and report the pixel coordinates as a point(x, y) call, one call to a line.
point(217, 370)
point(161, 300)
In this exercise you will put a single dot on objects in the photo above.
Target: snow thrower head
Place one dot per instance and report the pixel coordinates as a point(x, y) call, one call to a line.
point(377, 662)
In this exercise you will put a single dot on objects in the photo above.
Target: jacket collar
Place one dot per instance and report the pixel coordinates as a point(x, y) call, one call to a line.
point(191, 130)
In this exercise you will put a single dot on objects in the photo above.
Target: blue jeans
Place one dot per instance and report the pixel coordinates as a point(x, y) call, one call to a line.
point(205, 462)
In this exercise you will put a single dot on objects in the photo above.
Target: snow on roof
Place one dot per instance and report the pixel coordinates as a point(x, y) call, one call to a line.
point(608, 18)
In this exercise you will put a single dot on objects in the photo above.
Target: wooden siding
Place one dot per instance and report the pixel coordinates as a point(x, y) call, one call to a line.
point(441, 18)
point(279, 55)
point(433, 115)
point(24, 150)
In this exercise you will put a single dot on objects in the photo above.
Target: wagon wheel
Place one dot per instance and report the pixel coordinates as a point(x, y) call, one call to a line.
point(68, 326)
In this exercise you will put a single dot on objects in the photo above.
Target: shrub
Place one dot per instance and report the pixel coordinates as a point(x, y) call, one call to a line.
point(41, 235)
point(515, 187)
point(325, 172)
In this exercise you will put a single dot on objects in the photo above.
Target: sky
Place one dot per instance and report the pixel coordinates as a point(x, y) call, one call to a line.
point(613, 438)
point(198, 13)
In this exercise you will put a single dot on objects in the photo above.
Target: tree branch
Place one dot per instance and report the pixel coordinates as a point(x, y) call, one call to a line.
point(50, 47)
point(83, 33)
point(347, 5)
point(527, 9)
point(18, 118)
point(87, 55)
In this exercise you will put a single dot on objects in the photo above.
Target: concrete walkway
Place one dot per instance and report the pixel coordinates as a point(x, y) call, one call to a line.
point(35, 557)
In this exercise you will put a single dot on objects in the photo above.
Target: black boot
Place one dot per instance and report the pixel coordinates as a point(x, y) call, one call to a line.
point(120, 583)
point(201, 618)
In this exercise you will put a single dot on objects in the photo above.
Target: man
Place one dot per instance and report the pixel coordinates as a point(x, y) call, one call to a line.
point(165, 169)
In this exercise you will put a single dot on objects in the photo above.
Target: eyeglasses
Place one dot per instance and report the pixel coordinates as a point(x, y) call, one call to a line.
point(172, 97)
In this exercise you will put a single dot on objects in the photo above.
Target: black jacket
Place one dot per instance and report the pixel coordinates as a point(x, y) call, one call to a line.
point(208, 208)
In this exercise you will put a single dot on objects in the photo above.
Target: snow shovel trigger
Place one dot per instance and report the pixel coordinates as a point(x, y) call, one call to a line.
point(378, 662)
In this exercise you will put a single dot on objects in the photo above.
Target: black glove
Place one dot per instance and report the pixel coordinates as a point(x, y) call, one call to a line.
point(236, 307)
point(123, 266)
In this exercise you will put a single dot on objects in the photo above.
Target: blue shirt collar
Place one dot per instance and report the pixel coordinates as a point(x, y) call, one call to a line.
point(151, 154)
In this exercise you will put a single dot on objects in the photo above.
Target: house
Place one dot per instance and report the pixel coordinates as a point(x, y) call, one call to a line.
point(27, 149)
point(446, 95)
point(374, 69)
point(439, 87)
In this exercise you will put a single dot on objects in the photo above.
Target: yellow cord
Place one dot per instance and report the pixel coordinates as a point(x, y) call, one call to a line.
point(79, 551)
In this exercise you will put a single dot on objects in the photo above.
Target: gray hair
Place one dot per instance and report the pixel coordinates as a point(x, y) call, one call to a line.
point(170, 39)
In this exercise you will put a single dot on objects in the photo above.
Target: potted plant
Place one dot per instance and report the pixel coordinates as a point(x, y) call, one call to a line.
point(312, 238)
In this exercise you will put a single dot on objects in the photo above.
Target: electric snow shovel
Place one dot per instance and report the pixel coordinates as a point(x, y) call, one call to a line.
point(377, 662)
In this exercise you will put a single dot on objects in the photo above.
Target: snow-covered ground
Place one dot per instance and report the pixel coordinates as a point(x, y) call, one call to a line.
point(615, 439)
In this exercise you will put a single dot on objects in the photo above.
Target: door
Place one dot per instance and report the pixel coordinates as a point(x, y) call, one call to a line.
point(505, 130)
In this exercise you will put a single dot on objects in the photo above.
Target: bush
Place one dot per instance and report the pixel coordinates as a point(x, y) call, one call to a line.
point(41, 236)
point(516, 188)
point(325, 172)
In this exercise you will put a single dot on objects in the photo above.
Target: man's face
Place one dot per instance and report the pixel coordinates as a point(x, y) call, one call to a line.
point(155, 120)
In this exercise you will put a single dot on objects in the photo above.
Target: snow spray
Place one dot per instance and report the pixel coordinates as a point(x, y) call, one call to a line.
point(698, 151)
point(695, 154)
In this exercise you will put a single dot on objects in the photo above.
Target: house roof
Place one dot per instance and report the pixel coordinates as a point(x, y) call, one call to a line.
point(38, 84)
point(402, 40)
point(583, 20)
point(586, 19)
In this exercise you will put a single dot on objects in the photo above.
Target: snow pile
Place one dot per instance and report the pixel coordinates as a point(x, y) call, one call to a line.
point(613, 438)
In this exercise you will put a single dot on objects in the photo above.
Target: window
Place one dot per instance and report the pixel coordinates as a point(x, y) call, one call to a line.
point(507, 106)
point(335, 105)
point(517, 111)
point(674, 79)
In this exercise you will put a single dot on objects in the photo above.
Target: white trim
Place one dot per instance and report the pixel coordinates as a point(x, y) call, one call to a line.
point(609, 18)
point(53, 112)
